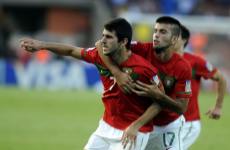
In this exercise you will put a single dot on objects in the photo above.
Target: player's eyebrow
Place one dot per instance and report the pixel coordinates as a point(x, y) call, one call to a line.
point(107, 35)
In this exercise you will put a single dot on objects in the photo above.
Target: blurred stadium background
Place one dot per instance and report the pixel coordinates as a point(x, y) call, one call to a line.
point(44, 97)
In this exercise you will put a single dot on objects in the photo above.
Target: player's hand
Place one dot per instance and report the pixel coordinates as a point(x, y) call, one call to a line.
point(129, 137)
point(214, 113)
point(148, 90)
point(98, 45)
point(125, 82)
point(30, 45)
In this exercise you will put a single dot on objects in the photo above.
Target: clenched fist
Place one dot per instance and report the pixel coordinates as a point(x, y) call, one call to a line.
point(31, 45)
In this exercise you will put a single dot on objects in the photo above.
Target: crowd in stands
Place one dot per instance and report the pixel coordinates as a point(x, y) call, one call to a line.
point(184, 7)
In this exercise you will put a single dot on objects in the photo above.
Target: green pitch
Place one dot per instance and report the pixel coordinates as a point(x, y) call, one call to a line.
point(64, 120)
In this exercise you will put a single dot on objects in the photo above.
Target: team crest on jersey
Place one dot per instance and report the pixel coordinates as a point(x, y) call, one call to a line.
point(188, 86)
point(130, 71)
point(168, 81)
point(209, 66)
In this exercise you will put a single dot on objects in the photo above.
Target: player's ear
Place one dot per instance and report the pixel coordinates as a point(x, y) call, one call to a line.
point(174, 39)
point(125, 41)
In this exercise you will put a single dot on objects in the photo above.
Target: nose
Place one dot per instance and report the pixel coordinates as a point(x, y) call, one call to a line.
point(103, 39)
point(155, 35)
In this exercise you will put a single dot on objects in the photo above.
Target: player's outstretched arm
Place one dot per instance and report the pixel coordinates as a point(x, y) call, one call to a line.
point(33, 45)
point(215, 113)
point(123, 80)
point(130, 132)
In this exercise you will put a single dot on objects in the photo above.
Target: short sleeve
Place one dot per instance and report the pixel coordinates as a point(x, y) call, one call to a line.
point(204, 68)
point(90, 55)
point(183, 84)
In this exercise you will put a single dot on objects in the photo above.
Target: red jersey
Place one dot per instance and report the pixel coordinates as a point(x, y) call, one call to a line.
point(121, 109)
point(175, 74)
point(200, 68)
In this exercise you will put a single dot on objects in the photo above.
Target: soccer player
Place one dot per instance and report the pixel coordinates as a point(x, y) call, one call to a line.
point(121, 110)
point(175, 73)
point(200, 69)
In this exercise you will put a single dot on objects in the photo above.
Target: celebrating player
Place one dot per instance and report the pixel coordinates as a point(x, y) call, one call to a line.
point(200, 69)
point(121, 110)
point(175, 73)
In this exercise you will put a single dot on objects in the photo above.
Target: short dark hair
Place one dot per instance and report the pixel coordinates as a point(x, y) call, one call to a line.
point(170, 20)
point(185, 34)
point(122, 29)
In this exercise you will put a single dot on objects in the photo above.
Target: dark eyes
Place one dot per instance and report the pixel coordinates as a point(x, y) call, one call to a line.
point(163, 31)
point(160, 31)
point(107, 36)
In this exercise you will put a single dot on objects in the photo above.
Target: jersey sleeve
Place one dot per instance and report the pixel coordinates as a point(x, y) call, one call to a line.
point(204, 68)
point(155, 79)
point(140, 49)
point(183, 84)
point(90, 55)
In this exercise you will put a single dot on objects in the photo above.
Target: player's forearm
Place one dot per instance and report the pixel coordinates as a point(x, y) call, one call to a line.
point(62, 49)
point(221, 88)
point(179, 105)
point(148, 115)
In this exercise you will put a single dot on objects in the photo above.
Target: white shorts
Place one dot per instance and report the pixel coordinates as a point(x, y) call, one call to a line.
point(191, 131)
point(107, 137)
point(168, 137)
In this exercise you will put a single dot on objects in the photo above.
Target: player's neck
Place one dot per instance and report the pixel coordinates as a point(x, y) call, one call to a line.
point(165, 56)
point(168, 56)
point(180, 51)
point(121, 55)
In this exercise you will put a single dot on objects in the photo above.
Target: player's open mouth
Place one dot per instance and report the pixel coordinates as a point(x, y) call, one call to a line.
point(156, 42)
point(105, 48)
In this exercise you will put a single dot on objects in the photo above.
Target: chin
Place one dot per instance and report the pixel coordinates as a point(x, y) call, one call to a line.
point(160, 56)
point(106, 53)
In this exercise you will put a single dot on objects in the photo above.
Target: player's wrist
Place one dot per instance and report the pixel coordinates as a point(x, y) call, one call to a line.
point(160, 96)
point(136, 125)
point(43, 45)
point(219, 102)
point(218, 106)
point(116, 72)
point(139, 122)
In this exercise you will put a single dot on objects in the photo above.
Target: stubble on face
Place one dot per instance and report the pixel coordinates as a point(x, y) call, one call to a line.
point(109, 42)
point(162, 39)
point(162, 35)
